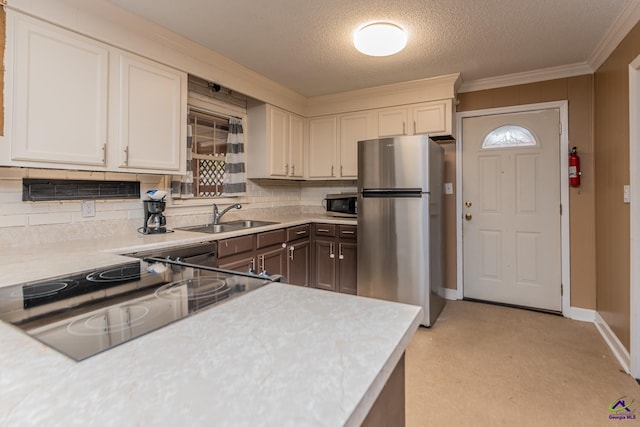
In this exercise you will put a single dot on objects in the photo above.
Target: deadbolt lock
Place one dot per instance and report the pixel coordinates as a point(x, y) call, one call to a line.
point(468, 204)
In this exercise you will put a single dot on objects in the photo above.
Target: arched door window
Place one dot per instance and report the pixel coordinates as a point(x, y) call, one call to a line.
point(509, 136)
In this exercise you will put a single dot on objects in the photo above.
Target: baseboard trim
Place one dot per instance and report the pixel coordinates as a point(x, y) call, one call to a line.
point(618, 349)
point(451, 294)
point(582, 314)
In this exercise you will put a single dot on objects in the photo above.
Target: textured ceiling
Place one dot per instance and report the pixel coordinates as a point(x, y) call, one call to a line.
point(306, 45)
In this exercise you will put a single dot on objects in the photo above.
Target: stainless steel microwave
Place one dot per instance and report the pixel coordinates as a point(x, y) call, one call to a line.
point(342, 205)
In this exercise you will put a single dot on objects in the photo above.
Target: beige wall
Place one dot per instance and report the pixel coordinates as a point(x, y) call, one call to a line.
point(579, 92)
point(611, 85)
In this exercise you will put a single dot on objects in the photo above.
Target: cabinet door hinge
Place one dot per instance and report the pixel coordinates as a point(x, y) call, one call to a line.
point(561, 289)
point(560, 209)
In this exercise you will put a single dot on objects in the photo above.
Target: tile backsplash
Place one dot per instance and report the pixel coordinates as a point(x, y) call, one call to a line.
point(46, 222)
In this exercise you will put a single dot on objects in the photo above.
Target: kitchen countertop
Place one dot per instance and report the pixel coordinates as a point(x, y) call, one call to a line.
point(282, 355)
point(34, 263)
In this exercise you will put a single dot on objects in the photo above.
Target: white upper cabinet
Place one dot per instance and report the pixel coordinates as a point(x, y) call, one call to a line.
point(60, 95)
point(353, 128)
point(152, 115)
point(275, 142)
point(323, 147)
point(82, 104)
point(296, 146)
point(392, 121)
point(434, 118)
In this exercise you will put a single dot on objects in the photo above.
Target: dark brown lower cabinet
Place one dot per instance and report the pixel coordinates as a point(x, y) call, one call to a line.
point(319, 255)
point(335, 258)
point(298, 262)
point(272, 260)
point(347, 267)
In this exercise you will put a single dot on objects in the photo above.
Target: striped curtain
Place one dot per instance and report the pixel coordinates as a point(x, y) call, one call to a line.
point(182, 185)
point(235, 176)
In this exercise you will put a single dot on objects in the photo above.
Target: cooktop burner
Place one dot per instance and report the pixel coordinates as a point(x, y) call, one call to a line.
point(86, 313)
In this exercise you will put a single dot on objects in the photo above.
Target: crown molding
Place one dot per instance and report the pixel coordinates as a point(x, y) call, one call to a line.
point(534, 76)
point(414, 91)
point(625, 21)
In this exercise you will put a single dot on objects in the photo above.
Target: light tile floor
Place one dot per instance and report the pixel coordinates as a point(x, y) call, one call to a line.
point(487, 365)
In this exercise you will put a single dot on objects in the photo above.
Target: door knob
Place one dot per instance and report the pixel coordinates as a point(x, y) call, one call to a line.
point(467, 216)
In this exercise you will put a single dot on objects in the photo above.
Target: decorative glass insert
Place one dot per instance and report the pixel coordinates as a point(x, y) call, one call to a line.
point(509, 136)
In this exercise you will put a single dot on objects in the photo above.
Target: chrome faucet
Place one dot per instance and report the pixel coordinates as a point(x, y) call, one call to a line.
point(217, 215)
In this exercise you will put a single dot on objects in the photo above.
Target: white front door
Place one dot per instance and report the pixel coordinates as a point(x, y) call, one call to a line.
point(511, 209)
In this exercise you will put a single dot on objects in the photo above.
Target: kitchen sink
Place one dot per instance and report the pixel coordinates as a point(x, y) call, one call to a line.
point(227, 226)
point(248, 223)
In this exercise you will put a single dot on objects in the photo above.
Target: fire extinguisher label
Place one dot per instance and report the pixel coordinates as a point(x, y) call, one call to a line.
point(573, 173)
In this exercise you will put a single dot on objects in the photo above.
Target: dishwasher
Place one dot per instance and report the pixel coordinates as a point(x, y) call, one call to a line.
point(203, 254)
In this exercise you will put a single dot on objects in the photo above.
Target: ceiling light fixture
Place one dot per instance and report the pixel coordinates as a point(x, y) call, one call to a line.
point(380, 39)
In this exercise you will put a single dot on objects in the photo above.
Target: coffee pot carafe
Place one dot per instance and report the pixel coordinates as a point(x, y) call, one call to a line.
point(154, 219)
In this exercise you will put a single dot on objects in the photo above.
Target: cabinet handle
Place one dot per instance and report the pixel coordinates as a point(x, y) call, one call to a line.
point(252, 265)
point(261, 263)
point(286, 169)
point(414, 127)
point(293, 169)
point(302, 232)
point(341, 174)
point(104, 153)
point(340, 254)
point(291, 249)
point(126, 156)
point(323, 230)
point(348, 232)
point(331, 251)
point(404, 129)
point(331, 170)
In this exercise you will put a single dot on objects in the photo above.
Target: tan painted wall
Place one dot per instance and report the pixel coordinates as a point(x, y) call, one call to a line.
point(611, 88)
point(3, 29)
point(579, 92)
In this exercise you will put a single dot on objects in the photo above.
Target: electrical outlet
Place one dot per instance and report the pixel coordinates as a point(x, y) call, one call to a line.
point(88, 208)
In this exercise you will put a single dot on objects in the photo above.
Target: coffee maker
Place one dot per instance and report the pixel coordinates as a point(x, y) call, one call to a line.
point(154, 219)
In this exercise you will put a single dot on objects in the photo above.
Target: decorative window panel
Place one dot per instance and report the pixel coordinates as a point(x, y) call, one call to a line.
point(509, 136)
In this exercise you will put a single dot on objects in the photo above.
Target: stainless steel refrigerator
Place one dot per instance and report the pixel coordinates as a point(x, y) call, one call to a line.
point(400, 213)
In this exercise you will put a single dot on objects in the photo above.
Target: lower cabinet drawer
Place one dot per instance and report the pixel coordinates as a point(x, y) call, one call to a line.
point(270, 238)
point(235, 245)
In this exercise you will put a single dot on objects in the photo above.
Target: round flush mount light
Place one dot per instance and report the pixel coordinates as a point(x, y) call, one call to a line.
point(380, 39)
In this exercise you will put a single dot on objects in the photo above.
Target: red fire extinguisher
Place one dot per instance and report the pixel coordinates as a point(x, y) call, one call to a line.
point(574, 168)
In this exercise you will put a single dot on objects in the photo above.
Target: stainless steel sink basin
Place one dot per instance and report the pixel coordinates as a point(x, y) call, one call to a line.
point(210, 228)
point(248, 223)
point(227, 226)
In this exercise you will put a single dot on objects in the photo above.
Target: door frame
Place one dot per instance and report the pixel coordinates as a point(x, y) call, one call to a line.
point(634, 216)
point(565, 253)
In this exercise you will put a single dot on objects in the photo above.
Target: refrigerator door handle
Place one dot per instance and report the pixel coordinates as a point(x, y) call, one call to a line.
point(402, 192)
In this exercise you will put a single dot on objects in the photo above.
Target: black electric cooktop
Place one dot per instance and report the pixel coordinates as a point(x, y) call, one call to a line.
point(86, 313)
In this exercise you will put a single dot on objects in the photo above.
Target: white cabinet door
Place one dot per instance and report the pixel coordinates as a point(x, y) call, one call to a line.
point(278, 141)
point(323, 141)
point(61, 95)
point(152, 115)
point(433, 118)
point(392, 121)
point(296, 146)
point(353, 128)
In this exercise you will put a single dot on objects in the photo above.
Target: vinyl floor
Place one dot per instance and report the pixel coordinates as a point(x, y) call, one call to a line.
point(487, 365)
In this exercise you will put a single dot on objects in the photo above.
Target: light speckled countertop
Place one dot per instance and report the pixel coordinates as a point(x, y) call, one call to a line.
point(41, 262)
point(282, 355)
